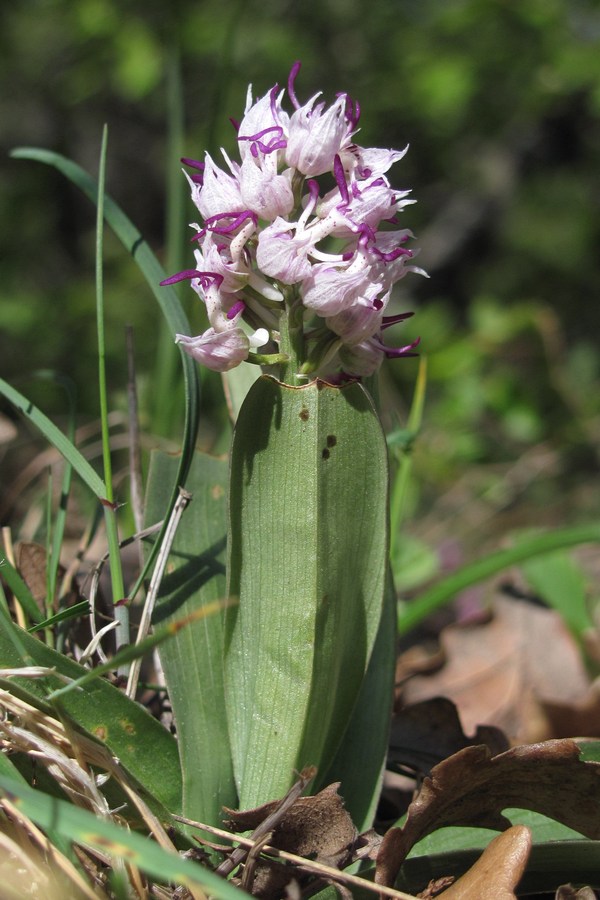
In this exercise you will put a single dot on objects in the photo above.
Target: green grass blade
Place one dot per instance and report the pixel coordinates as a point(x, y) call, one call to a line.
point(562, 584)
point(121, 610)
point(167, 298)
point(410, 614)
point(83, 827)
point(55, 436)
point(22, 593)
point(71, 612)
point(166, 373)
point(402, 478)
point(60, 520)
point(10, 772)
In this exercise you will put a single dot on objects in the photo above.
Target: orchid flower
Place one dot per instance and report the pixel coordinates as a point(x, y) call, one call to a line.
point(275, 235)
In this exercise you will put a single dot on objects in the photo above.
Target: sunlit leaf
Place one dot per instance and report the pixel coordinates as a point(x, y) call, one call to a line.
point(308, 559)
point(192, 659)
point(83, 827)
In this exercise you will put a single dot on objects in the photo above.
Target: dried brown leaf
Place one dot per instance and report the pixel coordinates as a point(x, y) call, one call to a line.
point(498, 870)
point(472, 788)
point(317, 827)
point(568, 892)
point(31, 563)
point(500, 673)
point(580, 719)
point(423, 734)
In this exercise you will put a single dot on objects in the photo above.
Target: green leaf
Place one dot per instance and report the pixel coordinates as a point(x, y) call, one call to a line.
point(192, 660)
point(358, 764)
point(443, 592)
point(237, 383)
point(134, 243)
point(53, 434)
point(21, 591)
point(146, 749)
point(308, 541)
point(558, 580)
point(83, 827)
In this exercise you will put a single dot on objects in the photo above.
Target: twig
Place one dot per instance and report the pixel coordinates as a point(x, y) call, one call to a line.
point(269, 823)
point(161, 561)
point(306, 865)
point(96, 572)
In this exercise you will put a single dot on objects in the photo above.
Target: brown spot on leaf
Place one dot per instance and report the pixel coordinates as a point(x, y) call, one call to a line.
point(331, 440)
point(217, 491)
point(101, 732)
point(304, 414)
point(325, 453)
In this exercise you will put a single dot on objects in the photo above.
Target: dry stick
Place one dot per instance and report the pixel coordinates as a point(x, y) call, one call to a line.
point(269, 823)
point(161, 561)
point(96, 579)
point(252, 860)
point(306, 865)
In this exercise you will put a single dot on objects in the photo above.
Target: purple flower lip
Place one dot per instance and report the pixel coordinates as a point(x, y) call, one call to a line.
point(238, 218)
point(397, 352)
point(236, 309)
point(340, 177)
point(393, 254)
point(393, 320)
point(205, 278)
point(194, 164)
point(290, 85)
point(277, 142)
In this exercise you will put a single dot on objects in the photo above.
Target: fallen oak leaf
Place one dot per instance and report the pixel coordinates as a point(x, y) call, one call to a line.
point(473, 787)
point(423, 734)
point(499, 672)
point(498, 870)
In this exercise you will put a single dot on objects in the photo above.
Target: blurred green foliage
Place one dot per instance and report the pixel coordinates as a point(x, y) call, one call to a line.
point(500, 102)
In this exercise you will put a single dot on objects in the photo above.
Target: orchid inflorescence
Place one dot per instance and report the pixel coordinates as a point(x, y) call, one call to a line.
point(276, 240)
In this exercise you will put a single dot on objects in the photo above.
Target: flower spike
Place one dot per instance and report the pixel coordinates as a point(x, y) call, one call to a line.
point(263, 242)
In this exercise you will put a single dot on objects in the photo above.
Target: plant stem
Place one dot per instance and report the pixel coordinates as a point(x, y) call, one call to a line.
point(118, 590)
point(291, 338)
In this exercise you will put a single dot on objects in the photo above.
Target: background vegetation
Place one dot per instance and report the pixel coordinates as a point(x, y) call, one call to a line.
point(500, 103)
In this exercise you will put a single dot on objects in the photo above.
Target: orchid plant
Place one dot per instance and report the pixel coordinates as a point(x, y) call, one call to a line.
point(299, 249)
point(270, 596)
point(271, 601)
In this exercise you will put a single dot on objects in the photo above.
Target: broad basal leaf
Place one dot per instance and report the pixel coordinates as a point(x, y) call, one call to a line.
point(192, 659)
point(307, 559)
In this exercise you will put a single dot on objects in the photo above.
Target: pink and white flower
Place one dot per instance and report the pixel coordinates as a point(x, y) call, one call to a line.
point(266, 236)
